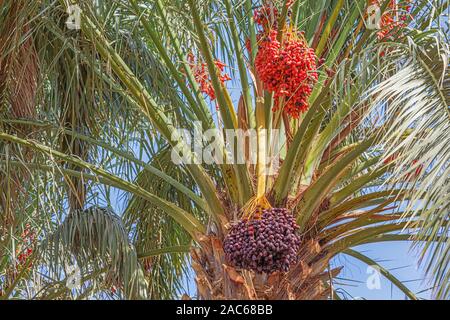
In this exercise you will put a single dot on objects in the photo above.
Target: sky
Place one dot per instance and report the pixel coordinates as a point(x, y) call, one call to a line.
point(398, 258)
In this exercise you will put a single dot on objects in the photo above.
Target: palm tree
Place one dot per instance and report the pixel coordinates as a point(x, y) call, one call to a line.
point(88, 118)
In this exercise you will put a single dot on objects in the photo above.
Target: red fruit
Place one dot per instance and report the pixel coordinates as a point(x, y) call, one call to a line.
point(417, 171)
point(21, 257)
point(289, 3)
point(266, 16)
point(389, 159)
point(288, 70)
point(202, 77)
point(395, 17)
point(409, 175)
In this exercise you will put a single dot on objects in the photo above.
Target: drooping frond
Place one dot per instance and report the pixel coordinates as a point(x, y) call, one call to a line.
point(152, 229)
point(416, 104)
point(95, 240)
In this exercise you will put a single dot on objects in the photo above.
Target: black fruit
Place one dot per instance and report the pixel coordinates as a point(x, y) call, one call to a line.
point(265, 245)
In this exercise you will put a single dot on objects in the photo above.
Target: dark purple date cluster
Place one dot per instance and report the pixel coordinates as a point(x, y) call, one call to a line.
point(265, 245)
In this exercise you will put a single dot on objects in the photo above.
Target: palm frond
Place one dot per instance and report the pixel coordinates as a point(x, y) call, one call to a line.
point(416, 102)
point(96, 239)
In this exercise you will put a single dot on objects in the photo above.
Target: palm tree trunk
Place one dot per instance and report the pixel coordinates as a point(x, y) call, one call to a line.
point(306, 280)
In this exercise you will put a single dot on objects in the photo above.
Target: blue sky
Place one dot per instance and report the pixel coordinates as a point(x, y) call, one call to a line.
point(398, 258)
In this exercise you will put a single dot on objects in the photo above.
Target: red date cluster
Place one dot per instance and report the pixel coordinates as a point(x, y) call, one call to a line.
point(267, 244)
point(28, 237)
point(267, 17)
point(287, 69)
point(23, 252)
point(201, 75)
point(395, 17)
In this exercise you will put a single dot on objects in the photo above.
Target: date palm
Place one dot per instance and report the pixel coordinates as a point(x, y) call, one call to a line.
point(88, 118)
